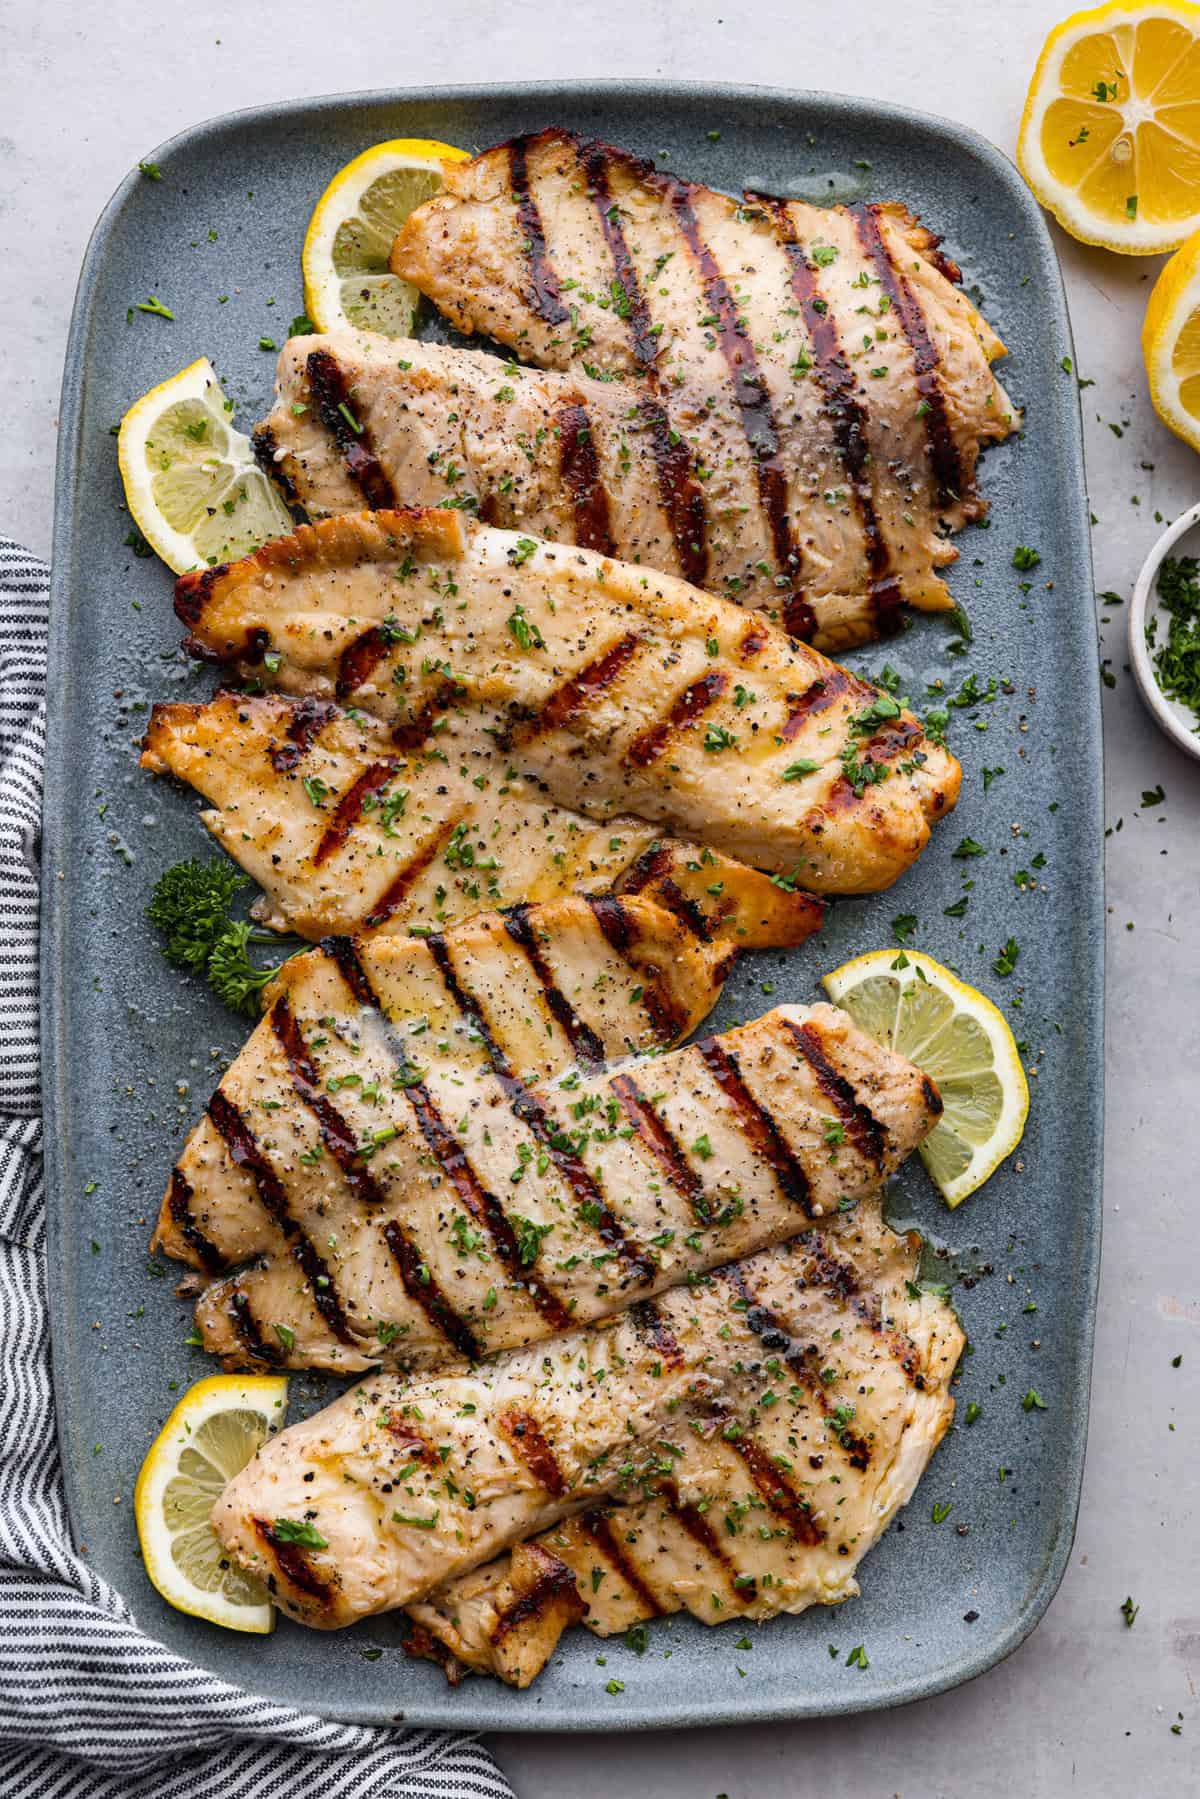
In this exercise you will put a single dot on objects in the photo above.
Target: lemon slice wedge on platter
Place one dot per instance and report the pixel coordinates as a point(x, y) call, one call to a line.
point(212, 1433)
point(192, 484)
point(350, 234)
point(1171, 343)
point(1110, 136)
point(913, 1005)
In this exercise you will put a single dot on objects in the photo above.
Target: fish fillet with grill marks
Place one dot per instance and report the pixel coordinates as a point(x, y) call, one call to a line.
point(387, 1176)
point(775, 1412)
point(617, 690)
point(721, 1535)
point(815, 388)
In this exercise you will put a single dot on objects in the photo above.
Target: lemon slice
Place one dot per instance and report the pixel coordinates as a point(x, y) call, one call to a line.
point(1171, 343)
point(349, 238)
point(915, 1006)
point(211, 1434)
point(191, 482)
point(1110, 135)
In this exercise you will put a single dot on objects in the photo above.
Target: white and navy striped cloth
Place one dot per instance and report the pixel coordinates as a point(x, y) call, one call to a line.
point(91, 1707)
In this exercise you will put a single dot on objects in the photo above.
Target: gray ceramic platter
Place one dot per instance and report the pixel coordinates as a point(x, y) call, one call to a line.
point(131, 1048)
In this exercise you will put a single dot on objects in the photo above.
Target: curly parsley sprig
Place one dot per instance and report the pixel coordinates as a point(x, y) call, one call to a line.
point(190, 910)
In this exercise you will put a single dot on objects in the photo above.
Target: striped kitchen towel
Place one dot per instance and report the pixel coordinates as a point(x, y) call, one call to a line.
point(90, 1706)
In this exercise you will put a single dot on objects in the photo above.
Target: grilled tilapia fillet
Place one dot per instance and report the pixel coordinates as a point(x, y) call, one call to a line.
point(777, 1387)
point(342, 826)
point(771, 1518)
point(560, 456)
point(617, 690)
point(389, 1178)
point(525, 995)
point(829, 386)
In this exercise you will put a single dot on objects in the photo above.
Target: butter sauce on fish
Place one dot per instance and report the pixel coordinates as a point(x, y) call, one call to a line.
point(811, 383)
point(617, 690)
point(388, 1177)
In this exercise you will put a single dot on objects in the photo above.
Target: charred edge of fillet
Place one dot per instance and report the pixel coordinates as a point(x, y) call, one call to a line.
point(179, 1204)
point(691, 1519)
point(756, 1124)
point(308, 720)
point(751, 393)
point(245, 1326)
point(687, 707)
point(349, 809)
point(420, 1645)
point(651, 1326)
point(330, 391)
point(402, 883)
point(586, 1045)
point(579, 467)
point(669, 1020)
point(839, 1277)
point(293, 1564)
point(193, 592)
point(774, 1335)
point(847, 414)
point(943, 451)
point(682, 498)
point(597, 1526)
point(451, 1158)
point(865, 1131)
point(530, 1443)
point(544, 296)
point(555, 1585)
point(265, 445)
point(565, 704)
point(661, 1144)
point(246, 1152)
point(526, 1106)
point(932, 1097)
point(777, 1492)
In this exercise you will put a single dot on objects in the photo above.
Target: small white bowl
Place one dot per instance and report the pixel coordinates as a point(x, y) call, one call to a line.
point(1177, 721)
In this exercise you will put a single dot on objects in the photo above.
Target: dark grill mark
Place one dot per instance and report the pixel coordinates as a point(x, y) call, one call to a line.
point(402, 883)
point(408, 1443)
point(669, 1020)
point(594, 158)
point(194, 590)
point(567, 702)
point(749, 384)
point(309, 718)
point(943, 451)
point(688, 706)
point(661, 1144)
point(676, 901)
point(756, 1124)
point(411, 733)
point(180, 1206)
point(885, 746)
point(482, 1205)
point(823, 693)
point(647, 873)
point(349, 809)
point(338, 1139)
point(265, 445)
point(840, 1278)
point(579, 467)
point(690, 1518)
point(359, 660)
point(544, 296)
point(554, 1586)
point(847, 415)
point(331, 393)
point(776, 1491)
point(294, 1564)
point(245, 1325)
point(799, 619)
point(528, 1440)
point(597, 1527)
point(862, 1127)
point(244, 1150)
point(526, 1106)
point(754, 639)
point(653, 1329)
point(584, 1042)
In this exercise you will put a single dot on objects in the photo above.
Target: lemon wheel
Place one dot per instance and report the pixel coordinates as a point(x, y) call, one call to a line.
point(191, 481)
point(1110, 135)
point(212, 1433)
point(1171, 343)
point(958, 1037)
point(345, 258)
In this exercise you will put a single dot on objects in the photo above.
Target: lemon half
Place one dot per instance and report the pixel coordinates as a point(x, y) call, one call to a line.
point(913, 1005)
point(1110, 135)
point(350, 234)
point(191, 481)
point(212, 1433)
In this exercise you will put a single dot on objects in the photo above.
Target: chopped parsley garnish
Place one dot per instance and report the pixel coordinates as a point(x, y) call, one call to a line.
point(716, 738)
point(522, 628)
point(796, 771)
point(1024, 557)
point(155, 306)
point(293, 1530)
point(1129, 1611)
point(1006, 961)
point(529, 1238)
point(1177, 660)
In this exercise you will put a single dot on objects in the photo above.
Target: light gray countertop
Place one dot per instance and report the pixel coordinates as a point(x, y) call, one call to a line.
point(1086, 1706)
